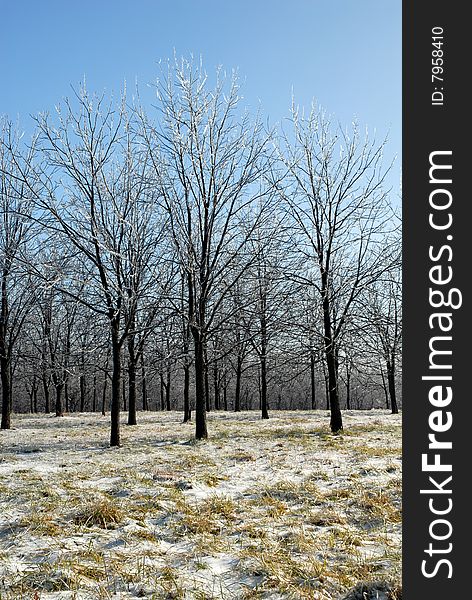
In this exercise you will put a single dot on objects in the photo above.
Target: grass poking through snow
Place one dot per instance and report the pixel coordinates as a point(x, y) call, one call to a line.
point(264, 509)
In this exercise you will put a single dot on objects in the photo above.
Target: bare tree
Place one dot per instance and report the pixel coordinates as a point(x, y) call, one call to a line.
point(59, 315)
point(340, 210)
point(384, 325)
point(209, 160)
point(15, 226)
point(271, 290)
point(240, 316)
point(94, 196)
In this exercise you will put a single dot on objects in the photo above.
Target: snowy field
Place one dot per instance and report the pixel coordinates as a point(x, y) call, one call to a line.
point(264, 509)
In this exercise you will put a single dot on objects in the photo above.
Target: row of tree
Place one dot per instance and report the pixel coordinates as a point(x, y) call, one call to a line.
point(193, 243)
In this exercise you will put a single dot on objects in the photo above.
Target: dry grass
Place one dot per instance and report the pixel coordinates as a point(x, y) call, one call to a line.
point(373, 590)
point(326, 518)
point(40, 524)
point(379, 504)
point(101, 513)
point(279, 508)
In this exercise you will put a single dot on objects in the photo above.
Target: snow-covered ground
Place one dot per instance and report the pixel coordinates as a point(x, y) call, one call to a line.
point(263, 509)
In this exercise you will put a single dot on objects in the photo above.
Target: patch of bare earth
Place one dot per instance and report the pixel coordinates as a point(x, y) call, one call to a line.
point(264, 509)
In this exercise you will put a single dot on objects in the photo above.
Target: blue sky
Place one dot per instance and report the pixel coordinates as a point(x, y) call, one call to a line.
point(345, 53)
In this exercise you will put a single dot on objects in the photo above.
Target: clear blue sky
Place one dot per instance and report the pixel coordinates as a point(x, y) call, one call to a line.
point(345, 53)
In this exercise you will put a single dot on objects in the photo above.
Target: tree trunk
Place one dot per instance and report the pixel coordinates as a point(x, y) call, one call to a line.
point(391, 385)
point(237, 393)
point(336, 422)
point(162, 391)
point(312, 381)
point(82, 380)
point(207, 384)
point(385, 388)
point(6, 391)
point(131, 381)
point(123, 392)
point(66, 397)
point(82, 392)
point(94, 392)
point(168, 389)
point(5, 358)
point(47, 402)
point(143, 383)
point(348, 388)
point(200, 399)
point(264, 408)
point(225, 394)
point(59, 387)
point(216, 386)
point(104, 393)
point(187, 411)
point(326, 390)
point(263, 360)
point(105, 383)
point(115, 385)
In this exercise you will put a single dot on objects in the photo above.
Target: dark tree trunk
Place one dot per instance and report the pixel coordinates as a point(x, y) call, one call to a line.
point(59, 387)
point(225, 393)
point(237, 393)
point(264, 406)
point(104, 393)
point(348, 388)
point(336, 422)
point(66, 397)
point(168, 389)
point(312, 381)
point(187, 411)
point(200, 399)
point(115, 384)
point(144, 384)
point(82, 380)
point(132, 393)
point(131, 380)
point(65, 377)
point(187, 362)
point(263, 364)
point(123, 393)
point(94, 395)
point(216, 386)
point(45, 357)
point(385, 388)
point(207, 384)
point(82, 392)
point(105, 383)
point(6, 391)
point(5, 357)
point(47, 401)
point(391, 385)
point(162, 388)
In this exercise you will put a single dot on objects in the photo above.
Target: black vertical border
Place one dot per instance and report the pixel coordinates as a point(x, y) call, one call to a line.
point(428, 128)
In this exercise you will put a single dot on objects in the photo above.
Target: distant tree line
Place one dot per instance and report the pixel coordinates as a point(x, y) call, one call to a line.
point(190, 258)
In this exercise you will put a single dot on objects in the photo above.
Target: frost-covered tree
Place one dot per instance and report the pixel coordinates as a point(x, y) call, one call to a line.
point(209, 162)
point(15, 231)
point(334, 191)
